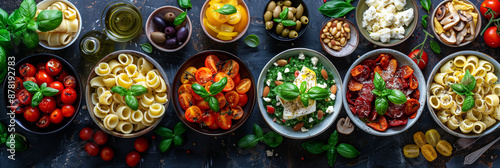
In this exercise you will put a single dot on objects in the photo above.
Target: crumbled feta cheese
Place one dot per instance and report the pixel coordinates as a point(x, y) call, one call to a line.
point(385, 35)
point(311, 119)
point(302, 56)
point(384, 19)
point(315, 68)
point(332, 96)
point(398, 32)
point(267, 99)
point(314, 60)
point(375, 36)
point(400, 4)
point(329, 110)
point(278, 103)
point(269, 153)
point(408, 16)
point(287, 70)
point(304, 129)
point(275, 64)
point(322, 85)
point(268, 82)
point(280, 77)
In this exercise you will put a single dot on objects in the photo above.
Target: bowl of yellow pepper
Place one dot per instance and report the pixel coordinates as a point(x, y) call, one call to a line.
point(225, 21)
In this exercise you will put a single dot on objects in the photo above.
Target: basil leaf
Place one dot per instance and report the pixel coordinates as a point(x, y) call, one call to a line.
point(119, 89)
point(277, 20)
point(334, 138)
point(273, 139)
point(459, 88)
point(18, 141)
point(213, 103)
point(288, 23)
point(347, 151)
point(132, 102)
point(30, 39)
point(397, 97)
point(217, 87)
point(137, 90)
point(426, 4)
point(4, 35)
point(258, 131)
point(287, 91)
point(304, 98)
point(303, 87)
point(31, 87)
point(28, 9)
point(349, 1)
point(146, 47)
point(284, 14)
point(180, 18)
point(178, 140)
point(200, 90)
point(3, 18)
point(251, 40)
point(185, 3)
point(331, 155)
point(386, 92)
point(179, 128)
point(36, 99)
point(313, 147)
point(317, 93)
point(336, 8)
point(381, 105)
point(227, 9)
point(378, 82)
point(13, 17)
point(248, 141)
point(19, 27)
point(3, 133)
point(166, 144)
point(48, 91)
point(435, 46)
point(43, 86)
point(468, 81)
point(48, 20)
point(424, 21)
point(164, 132)
point(376, 92)
point(468, 103)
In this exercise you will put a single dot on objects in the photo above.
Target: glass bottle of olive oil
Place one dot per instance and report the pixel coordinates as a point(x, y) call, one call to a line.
point(95, 45)
point(122, 21)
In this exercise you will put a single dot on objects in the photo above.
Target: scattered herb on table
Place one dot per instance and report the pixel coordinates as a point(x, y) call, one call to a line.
point(252, 40)
point(426, 4)
point(424, 21)
point(227, 9)
point(209, 97)
point(39, 92)
point(336, 8)
point(331, 148)
point(384, 94)
point(272, 139)
point(17, 141)
point(170, 136)
point(290, 92)
point(180, 18)
point(185, 3)
point(465, 87)
point(434, 45)
point(146, 47)
point(3, 133)
point(130, 100)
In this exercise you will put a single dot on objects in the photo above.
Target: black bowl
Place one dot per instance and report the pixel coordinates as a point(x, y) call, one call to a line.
point(272, 32)
point(52, 128)
point(198, 61)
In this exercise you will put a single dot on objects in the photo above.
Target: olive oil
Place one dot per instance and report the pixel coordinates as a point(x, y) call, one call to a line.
point(95, 45)
point(122, 22)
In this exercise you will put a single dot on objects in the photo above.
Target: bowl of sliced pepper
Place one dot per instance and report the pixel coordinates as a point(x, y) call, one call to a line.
point(385, 92)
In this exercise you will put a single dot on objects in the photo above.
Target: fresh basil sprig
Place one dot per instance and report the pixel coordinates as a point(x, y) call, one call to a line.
point(465, 87)
point(38, 92)
point(288, 23)
point(170, 136)
point(332, 149)
point(383, 95)
point(185, 3)
point(290, 92)
point(336, 8)
point(180, 18)
point(435, 47)
point(130, 100)
point(227, 9)
point(251, 40)
point(272, 139)
point(146, 47)
point(426, 4)
point(284, 14)
point(215, 88)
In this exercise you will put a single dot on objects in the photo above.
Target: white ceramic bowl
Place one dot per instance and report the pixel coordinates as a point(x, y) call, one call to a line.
point(44, 5)
point(457, 132)
point(318, 128)
point(402, 60)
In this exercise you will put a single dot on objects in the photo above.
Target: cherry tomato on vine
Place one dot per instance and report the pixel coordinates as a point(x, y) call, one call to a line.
point(194, 114)
point(420, 61)
point(491, 37)
point(223, 120)
point(493, 5)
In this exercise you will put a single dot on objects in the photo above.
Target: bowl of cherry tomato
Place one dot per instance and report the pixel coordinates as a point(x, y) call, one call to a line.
point(45, 95)
point(216, 75)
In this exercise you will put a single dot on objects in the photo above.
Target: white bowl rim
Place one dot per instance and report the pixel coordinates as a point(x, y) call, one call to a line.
point(76, 36)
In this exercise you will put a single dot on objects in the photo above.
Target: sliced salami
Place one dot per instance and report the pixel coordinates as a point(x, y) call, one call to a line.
point(365, 74)
point(395, 110)
point(366, 92)
point(394, 83)
point(351, 96)
point(363, 107)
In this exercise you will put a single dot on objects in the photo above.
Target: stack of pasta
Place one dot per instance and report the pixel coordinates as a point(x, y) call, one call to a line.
point(111, 108)
point(63, 34)
point(448, 104)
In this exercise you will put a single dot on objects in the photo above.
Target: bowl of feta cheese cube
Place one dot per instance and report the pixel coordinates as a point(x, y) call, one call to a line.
point(387, 23)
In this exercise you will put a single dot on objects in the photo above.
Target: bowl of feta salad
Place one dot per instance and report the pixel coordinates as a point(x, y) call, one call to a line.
point(298, 93)
point(387, 23)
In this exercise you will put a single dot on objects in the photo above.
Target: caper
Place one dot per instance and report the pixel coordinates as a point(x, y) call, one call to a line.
point(280, 3)
point(287, 3)
point(300, 11)
point(279, 28)
point(290, 15)
point(293, 34)
point(169, 17)
point(304, 20)
point(276, 12)
point(298, 26)
point(285, 32)
point(293, 9)
point(268, 16)
point(271, 6)
point(269, 25)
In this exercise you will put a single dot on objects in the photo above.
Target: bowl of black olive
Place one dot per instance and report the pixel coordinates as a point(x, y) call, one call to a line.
point(286, 20)
point(168, 28)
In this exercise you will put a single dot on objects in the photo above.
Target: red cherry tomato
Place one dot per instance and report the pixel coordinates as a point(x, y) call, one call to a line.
point(16, 106)
point(70, 81)
point(203, 75)
point(100, 137)
point(62, 75)
point(53, 67)
point(92, 149)
point(231, 68)
point(31, 114)
point(243, 100)
point(211, 63)
point(491, 37)
point(296, 73)
point(194, 114)
point(209, 119)
point(141, 144)
point(223, 120)
point(40, 66)
point(232, 98)
point(24, 97)
point(270, 109)
point(237, 79)
point(68, 96)
point(185, 100)
point(43, 77)
point(56, 116)
point(133, 158)
point(18, 84)
point(47, 105)
point(86, 133)
point(43, 122)
point(236, 112)
point(32, 79)
point(493, 4)
point(420, 61)
point(67, 110)
point(107, 153)
point(57, 85)
point(27, 70)
point(203, 105)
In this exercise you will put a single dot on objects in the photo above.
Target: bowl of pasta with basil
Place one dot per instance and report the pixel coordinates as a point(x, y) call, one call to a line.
point(69, 29)
point(127, 93)
point(463, 94)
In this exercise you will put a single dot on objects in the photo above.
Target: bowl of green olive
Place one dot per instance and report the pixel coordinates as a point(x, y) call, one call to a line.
point(286, 20)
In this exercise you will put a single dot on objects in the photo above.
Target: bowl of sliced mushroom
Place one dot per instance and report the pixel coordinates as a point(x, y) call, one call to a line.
point(456, 23)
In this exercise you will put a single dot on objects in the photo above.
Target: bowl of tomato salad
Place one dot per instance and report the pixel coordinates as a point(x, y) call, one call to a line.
point(214, 92)
point(47, 93)
point(385, 92)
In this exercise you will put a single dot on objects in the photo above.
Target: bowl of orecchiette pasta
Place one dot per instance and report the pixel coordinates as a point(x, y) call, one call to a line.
point(463, 94)
point(127, 93)
point(69, 29)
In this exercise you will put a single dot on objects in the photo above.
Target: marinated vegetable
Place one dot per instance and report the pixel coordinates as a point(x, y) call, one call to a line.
point(225, 19)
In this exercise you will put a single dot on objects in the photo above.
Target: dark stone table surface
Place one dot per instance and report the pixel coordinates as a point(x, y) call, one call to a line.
point(65, 149)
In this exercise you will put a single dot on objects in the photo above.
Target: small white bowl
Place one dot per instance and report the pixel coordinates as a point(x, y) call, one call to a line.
point(44, 5)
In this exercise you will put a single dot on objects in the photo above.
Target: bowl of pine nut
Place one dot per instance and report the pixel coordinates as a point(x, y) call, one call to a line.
point(339, 37)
